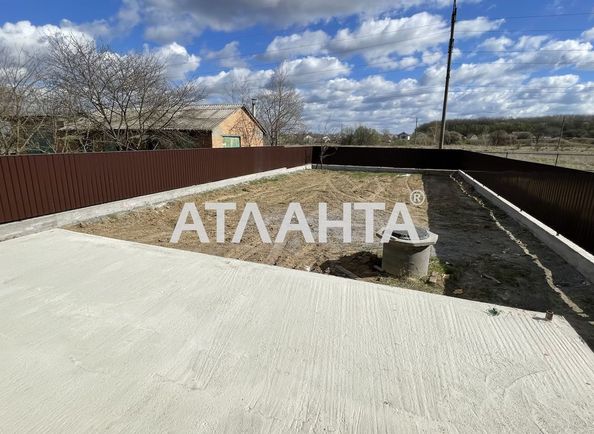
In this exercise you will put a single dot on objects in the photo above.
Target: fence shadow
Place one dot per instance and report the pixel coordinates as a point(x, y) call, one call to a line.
point(484, 263)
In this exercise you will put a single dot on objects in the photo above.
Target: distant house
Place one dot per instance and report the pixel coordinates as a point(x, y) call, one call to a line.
point(205, 125)
point(221, 125)
point(403, 136)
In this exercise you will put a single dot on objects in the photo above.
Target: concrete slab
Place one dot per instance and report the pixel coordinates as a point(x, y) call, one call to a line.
point(101, 334)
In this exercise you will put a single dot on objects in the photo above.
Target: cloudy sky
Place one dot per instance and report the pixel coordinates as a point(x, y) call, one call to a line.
point(374, 62)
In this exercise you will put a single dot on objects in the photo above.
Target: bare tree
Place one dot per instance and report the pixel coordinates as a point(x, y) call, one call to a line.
point(21, 115)
point(238, 91)
point(125, 100)
point(60, 109)
point(280, 107)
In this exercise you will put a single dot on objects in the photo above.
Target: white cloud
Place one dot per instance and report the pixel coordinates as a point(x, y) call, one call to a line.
point(408, 62)
point(26, 37)
point(500, 83)
point(482, 74)
point(228, 57)
point(476, 27)
point(431, 57)
point(530, 42)
point(128, 16)
point(303, 73)
point(496, 44)
point(308, 69)
point(373, 101)
point(482, 89)
point(554, 81)
point(96, 29)
point(178, 61)
point(168, 27)
point(33, 40)
point(382, 103)
point(387, 43)
point(554, 53)
point(379, 39)
point(219, 86)
point(588, 35)
point(298, 44)
point(178, 19)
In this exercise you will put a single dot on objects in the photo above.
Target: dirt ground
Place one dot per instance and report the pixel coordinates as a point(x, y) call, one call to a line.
point(481, 254)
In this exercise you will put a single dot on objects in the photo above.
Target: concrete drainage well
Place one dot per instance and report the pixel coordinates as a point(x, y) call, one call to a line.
point(404, 257)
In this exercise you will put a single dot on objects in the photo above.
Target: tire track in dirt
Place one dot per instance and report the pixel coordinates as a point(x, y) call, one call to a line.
point(469, 244)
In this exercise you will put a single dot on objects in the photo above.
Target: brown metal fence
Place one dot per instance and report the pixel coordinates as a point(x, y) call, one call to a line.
point(563, 201)
point(561, 198)
point(35, 185)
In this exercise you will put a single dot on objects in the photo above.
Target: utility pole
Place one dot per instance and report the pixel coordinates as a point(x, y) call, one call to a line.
point(415, 136)
point(561, 134)
point(447, 83)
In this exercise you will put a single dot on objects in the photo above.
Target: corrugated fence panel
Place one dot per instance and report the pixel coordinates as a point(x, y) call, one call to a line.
point(390, 157)
point(35, 185)
point(559, 197)
point(563, 201)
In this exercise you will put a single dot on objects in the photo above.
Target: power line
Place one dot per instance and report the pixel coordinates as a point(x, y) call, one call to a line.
point(459, 63)
point(570, 14)
point(564, 63)
point(528, 51)
point(250, 56)
point(354, 49)
point(503, 62)
point(402, 29)
point(520, 30)
point(368, 35)
point(319, 71)
point(373, 65)
point(400, 93)
point(337, 52)
point(470, 92)
point(371, 35)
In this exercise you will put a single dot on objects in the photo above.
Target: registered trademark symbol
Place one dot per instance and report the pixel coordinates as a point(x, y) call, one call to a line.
point(417, 197)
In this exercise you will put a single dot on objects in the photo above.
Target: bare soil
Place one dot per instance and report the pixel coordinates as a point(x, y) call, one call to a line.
point(481, 254)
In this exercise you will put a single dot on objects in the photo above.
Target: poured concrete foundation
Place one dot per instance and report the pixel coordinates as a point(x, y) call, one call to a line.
point(104, 335)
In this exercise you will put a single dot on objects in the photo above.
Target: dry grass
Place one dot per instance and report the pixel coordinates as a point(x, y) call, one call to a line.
point(475, 258)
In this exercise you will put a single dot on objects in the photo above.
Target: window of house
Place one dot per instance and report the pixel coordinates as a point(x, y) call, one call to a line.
point(231, 141)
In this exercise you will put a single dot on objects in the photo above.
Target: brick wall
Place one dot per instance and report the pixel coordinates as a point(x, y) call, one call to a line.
point(238, 124)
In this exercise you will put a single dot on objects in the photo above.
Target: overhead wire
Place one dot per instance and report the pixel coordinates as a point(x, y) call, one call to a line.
point(469, 90)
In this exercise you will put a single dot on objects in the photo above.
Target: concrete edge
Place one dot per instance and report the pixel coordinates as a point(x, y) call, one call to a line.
point(289, 271)
point(579, 258)
point(50, 221)
point(351, 168)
